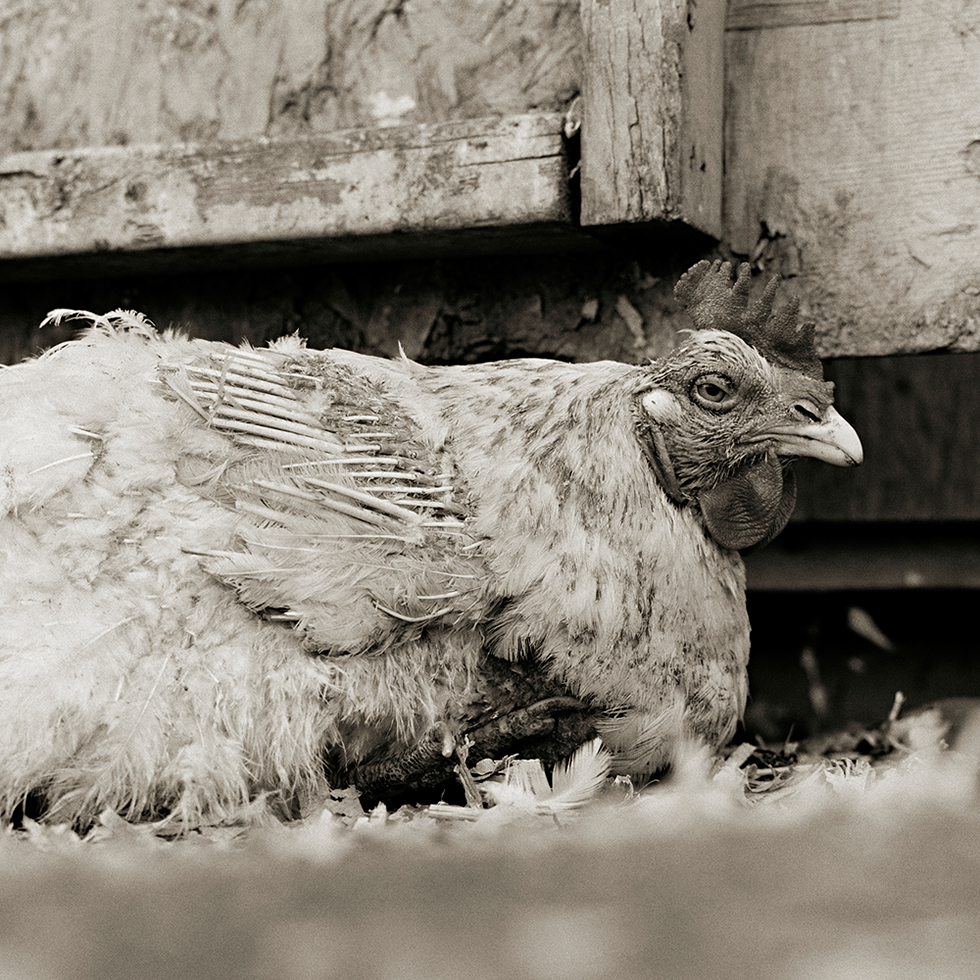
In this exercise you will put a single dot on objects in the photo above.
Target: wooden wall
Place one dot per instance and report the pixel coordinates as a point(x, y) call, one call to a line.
point(853, 164)
point(919, 417)
point(851, 127)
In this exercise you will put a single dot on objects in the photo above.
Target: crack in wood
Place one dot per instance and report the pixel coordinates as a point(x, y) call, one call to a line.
point(746, 15)
point(462, 176)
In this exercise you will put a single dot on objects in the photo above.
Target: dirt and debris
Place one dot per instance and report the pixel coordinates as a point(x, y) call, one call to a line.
point(856, 855)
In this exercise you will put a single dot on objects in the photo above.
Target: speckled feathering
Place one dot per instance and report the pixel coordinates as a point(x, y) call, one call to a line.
point(218, 566)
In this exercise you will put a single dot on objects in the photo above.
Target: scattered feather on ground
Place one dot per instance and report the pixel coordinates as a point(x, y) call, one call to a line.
point(857, 856)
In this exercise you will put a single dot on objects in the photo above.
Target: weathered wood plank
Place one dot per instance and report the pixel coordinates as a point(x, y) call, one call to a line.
point(471, 176)
point(853, 167)
point(834, 558)
point(653, 88)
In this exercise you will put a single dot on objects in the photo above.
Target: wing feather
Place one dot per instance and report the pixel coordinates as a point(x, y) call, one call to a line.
point(353, 525)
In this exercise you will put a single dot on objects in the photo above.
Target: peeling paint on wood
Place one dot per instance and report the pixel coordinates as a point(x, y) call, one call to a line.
point(79, 73)
point(473, 174)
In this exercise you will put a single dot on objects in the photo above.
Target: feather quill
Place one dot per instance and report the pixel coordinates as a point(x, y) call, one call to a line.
point(574, 782)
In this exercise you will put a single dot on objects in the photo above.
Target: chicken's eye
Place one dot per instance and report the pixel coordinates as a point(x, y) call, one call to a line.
point(713, 392)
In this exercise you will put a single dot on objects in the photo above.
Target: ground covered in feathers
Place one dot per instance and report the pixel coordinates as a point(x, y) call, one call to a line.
point(856, 855)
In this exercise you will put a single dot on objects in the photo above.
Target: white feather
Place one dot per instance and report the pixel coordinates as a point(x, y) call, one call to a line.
point(574, 782)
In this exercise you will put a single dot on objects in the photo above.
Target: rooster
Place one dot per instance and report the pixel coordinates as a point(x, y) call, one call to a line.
point(224, 570)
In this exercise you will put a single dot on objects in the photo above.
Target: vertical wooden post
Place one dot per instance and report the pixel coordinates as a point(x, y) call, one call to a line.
point(652, 115)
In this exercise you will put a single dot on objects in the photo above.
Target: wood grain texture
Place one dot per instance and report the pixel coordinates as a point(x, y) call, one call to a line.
point(473, 174)
point(853, 166)
point(652, 112)
point(78, 73)
point(748, 14)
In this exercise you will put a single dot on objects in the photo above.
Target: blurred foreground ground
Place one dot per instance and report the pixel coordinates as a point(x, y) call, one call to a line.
point(845, 871)
point(851, 856)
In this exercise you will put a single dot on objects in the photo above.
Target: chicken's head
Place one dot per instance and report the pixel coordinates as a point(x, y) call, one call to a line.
point(725, 413)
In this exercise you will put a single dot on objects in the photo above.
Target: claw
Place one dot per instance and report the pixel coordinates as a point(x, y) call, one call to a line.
point(550, 728)
point(492, 739)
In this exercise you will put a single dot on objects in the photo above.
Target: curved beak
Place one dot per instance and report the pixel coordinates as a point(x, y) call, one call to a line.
point(830, 438)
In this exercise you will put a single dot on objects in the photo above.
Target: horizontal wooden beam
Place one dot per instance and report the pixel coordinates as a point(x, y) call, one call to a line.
point(835, 557)
point(469, 186)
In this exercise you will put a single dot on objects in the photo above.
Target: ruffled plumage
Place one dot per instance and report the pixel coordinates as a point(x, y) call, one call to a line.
point(220, 566)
